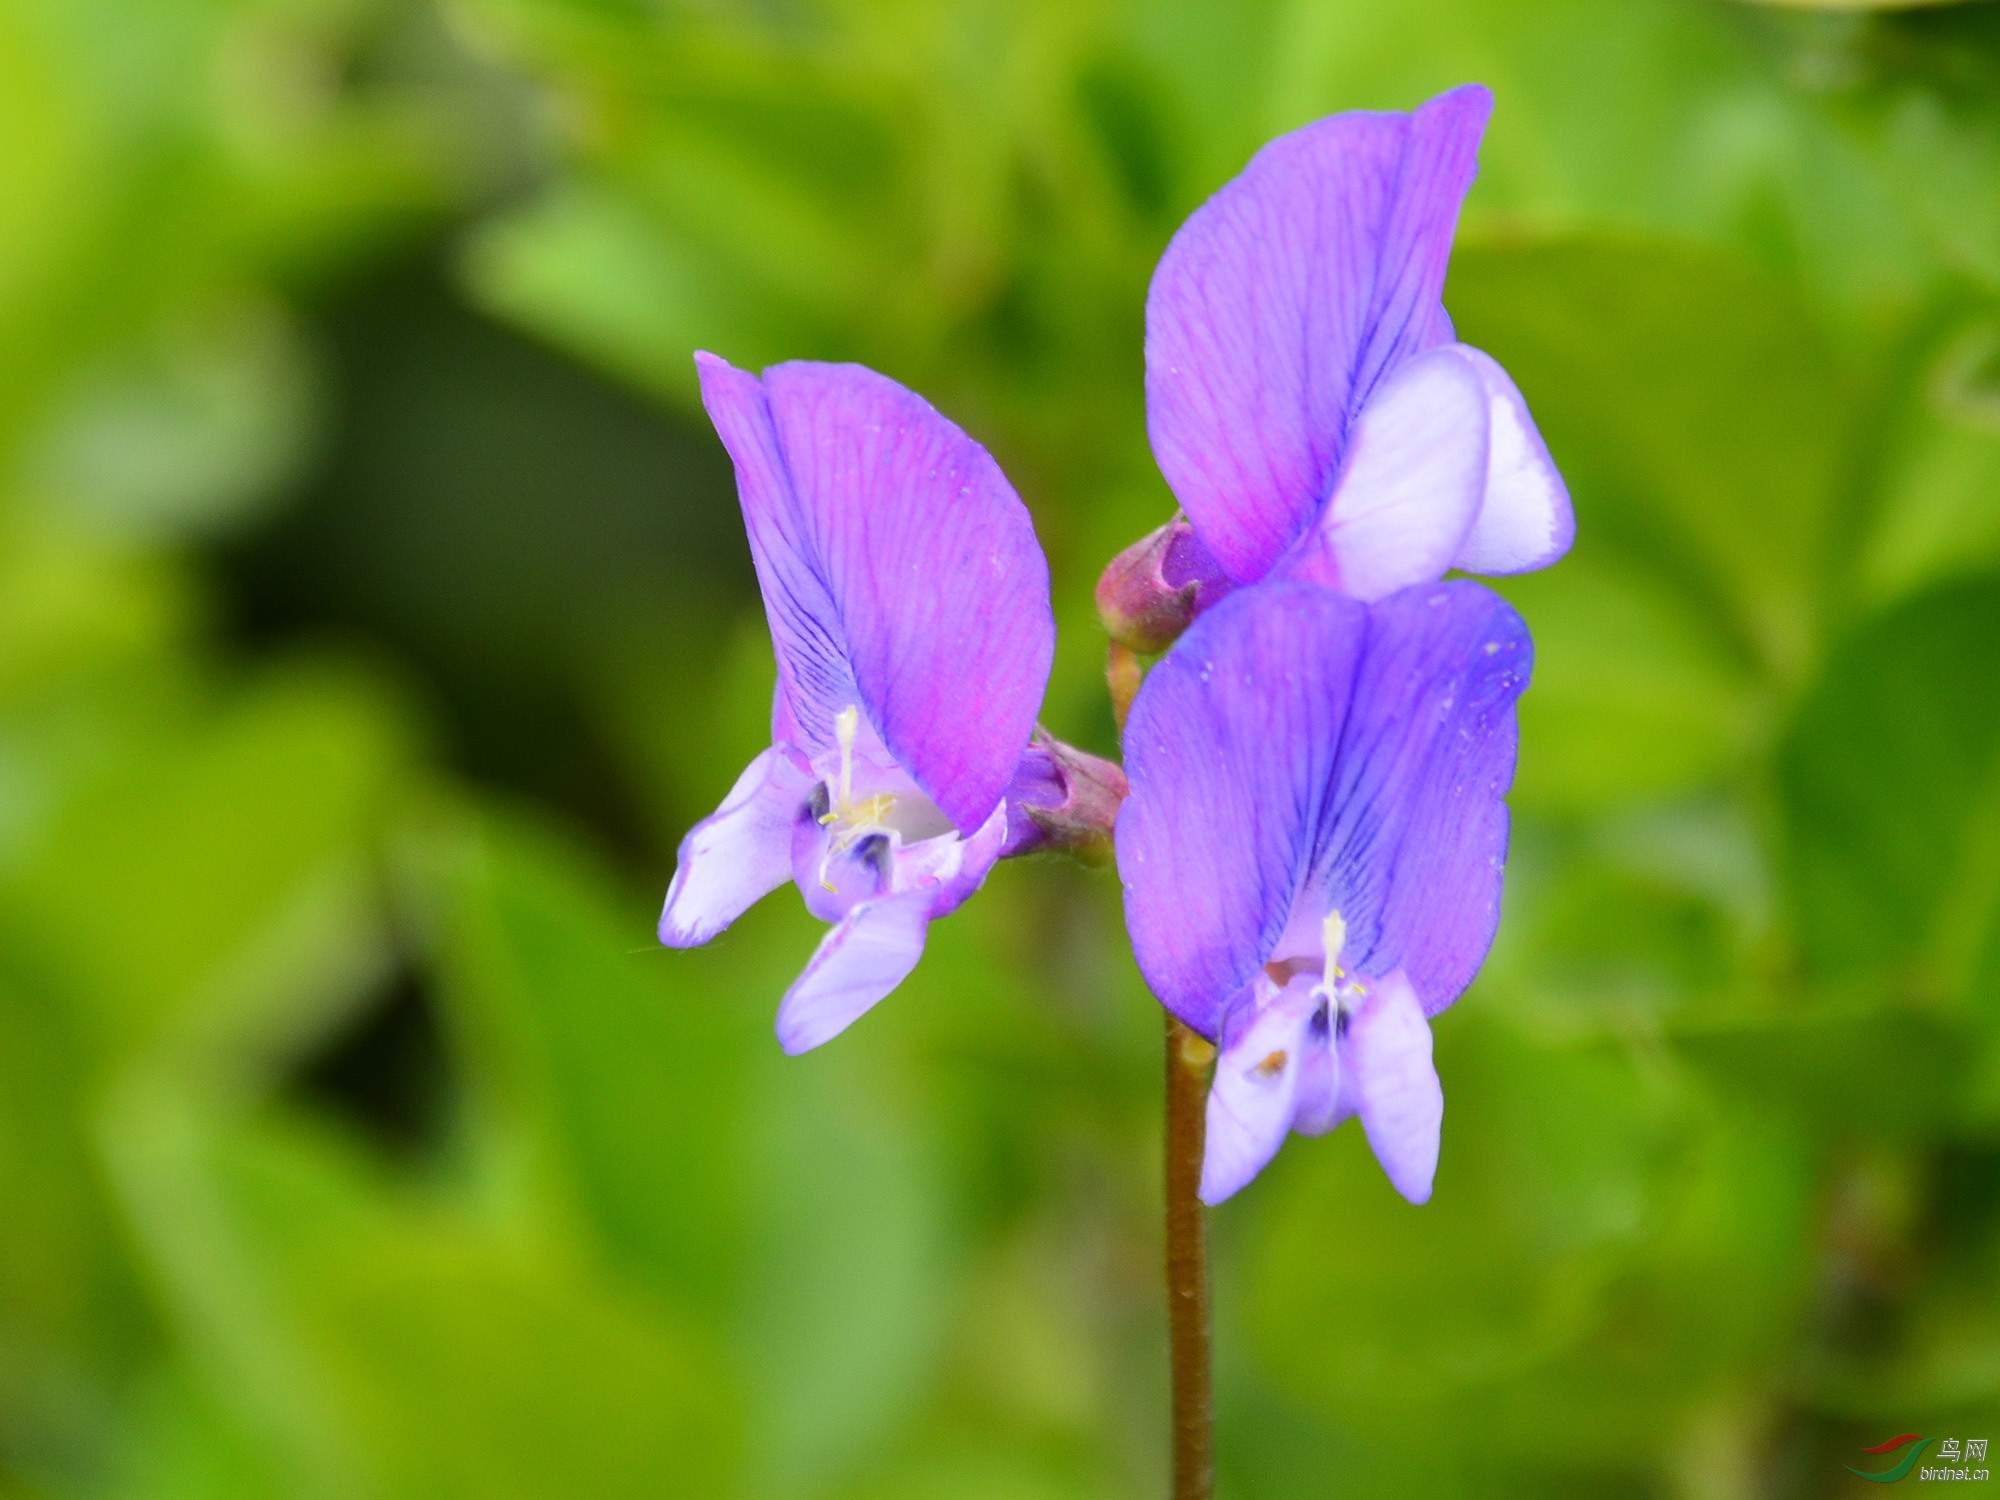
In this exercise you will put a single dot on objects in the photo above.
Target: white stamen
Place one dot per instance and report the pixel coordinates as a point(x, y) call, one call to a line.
point(847, 820)
point(1333, 933)
point(844, 724)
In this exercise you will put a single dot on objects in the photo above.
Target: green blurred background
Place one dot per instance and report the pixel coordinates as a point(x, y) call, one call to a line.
point(374, 618)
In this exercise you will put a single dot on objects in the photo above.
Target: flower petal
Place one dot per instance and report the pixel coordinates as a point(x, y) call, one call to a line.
point(1284, 300)
point(1299, 752)
point(737, 855)
point(1255, 1094)
point(867, 955)
point(1439, 162)
point(930, 559)
point(1525, 521)
point(1415, 834)
point(815, 680)
point(1386, 1071)
point(950, 870)
point(1230, 752)
point(1316, 1108)
point(1416, 472)
point(832, 883)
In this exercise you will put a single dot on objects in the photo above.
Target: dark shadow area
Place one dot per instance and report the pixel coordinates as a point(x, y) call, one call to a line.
point(387, 1073)
point(493, 516)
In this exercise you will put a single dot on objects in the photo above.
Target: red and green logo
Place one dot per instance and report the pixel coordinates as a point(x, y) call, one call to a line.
point(1903, 1465)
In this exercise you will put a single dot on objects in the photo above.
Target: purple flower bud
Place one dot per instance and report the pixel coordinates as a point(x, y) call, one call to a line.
point(1153, 590)
point(1063, 800)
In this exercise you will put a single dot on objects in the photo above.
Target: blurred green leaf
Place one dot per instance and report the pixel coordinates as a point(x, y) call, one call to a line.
point(73, 1322)
point(391, 1347)
point(685, 695)
point(1938, 1353)
point(183, 1445)
point(1633, 696)
point(1939, 514)
point(848, 1275)
point(145, 911)
point(92, 664)
point(188, 435)
point(68, 612)
point(217, 890)
point(1860, 1069)
point(978, 1475)
point(172, 159)
point(1891, 781)
point(1857, 4)
point(1605, 939)
point(585, 269)
point(793, 1200)
point(1915, 95)
point(1708, 1299)
point(579, 1035)
point(1572, 1292)
point(1385, 1313)
point(1693, 409)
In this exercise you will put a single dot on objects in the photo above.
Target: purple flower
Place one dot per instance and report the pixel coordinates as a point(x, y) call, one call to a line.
point(1304, 395)
point(1312, 850)
point(909, 610)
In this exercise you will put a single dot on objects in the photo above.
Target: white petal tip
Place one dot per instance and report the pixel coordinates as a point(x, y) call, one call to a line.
point(1417, 1192)
point(737, 855)
point(675, 932)
point(796, 1041)
point(1224, 1175)
point(1395, 1087)
point(1525, 520)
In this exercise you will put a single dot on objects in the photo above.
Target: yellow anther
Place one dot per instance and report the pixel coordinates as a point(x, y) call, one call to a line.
point(857, 816)
point(873, 812)
point(1272, 1065)
point(848, 819)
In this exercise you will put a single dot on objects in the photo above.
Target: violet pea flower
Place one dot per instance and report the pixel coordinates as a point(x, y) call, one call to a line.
point(1305, 397)
point(909, 610)
point(1312, 852)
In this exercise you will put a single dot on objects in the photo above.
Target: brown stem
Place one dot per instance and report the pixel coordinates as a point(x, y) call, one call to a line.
point(1188, 1057)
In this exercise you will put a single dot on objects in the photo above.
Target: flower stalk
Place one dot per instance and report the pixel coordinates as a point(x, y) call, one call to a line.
point(1188, 1059)
point(1122, 672)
